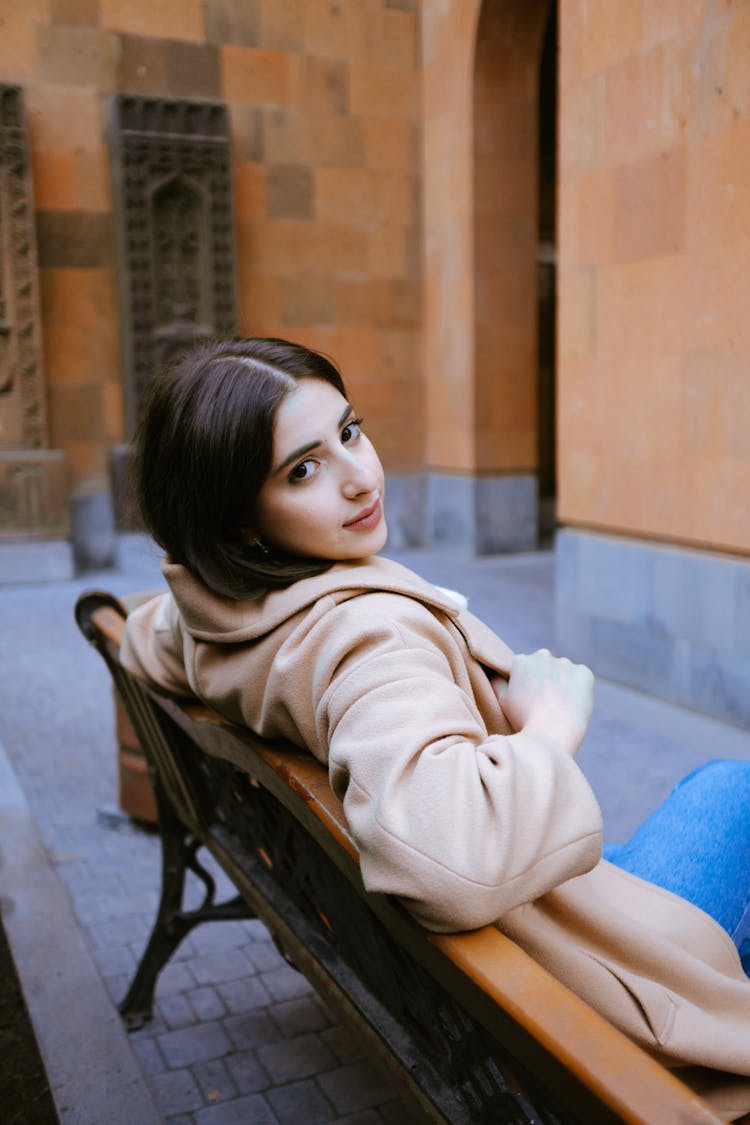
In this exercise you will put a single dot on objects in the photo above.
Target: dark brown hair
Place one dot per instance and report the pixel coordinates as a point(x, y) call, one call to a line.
point(203, 450)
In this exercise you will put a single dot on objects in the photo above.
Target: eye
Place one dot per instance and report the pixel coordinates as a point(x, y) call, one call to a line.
point(303, 471)
point(352, 430)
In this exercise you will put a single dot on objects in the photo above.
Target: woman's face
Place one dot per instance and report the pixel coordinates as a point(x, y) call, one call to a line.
point(323, 497)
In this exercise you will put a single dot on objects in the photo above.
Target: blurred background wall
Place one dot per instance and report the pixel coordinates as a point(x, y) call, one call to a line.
point(520, 227)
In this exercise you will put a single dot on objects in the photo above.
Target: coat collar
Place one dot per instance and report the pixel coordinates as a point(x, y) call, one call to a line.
point(211, 617)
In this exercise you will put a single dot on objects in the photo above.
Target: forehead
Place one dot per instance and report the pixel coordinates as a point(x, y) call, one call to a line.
point(305, 414)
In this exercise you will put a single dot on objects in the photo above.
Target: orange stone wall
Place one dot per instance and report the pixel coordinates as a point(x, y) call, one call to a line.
point(381, 213)
point(324, 102)
point(654, 331)
point(449, 33)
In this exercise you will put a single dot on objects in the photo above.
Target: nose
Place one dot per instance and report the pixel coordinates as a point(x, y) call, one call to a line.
point(358, 477)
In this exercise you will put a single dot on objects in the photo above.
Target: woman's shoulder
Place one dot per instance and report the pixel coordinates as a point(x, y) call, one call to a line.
point(208, 617)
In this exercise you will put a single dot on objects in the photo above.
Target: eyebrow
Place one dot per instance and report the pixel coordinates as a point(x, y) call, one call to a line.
point(303, 449)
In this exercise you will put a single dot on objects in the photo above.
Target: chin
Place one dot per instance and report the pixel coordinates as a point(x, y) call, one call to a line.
point(379, 540)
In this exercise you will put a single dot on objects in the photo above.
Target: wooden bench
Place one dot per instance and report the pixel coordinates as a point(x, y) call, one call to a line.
point(473, 1028)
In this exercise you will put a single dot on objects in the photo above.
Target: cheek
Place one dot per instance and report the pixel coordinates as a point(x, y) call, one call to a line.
point(299, 513)
point(372, 459)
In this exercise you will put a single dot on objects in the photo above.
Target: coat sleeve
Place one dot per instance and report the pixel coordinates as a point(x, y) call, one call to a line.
point(152, 646)
point(461, 824)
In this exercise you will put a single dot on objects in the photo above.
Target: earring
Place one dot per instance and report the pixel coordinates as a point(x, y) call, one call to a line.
point(264, 550)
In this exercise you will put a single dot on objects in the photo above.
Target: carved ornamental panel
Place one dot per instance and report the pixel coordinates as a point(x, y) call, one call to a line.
point(22, 412)
point(172, 179)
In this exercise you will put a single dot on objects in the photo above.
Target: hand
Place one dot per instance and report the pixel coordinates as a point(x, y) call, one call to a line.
point(548, 696)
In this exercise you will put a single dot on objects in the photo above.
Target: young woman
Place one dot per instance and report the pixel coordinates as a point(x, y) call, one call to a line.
point(455, 759)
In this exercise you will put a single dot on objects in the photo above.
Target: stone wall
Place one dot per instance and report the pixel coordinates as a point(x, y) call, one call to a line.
point(654, 347)
point(481, 87)
point(324, 104)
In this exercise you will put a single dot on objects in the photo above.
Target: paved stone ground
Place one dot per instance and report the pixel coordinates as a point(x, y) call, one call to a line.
point(238, 1035)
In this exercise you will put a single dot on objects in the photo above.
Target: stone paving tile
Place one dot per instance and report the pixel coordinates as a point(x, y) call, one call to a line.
point(80, 881)
point(232, 964)
point(252, 1110)
point(256, 931)
point(243, 995)
point(150, 1030)
point(128, 904)
point(116, 986)
point(251, 1029)
point(247, 1072)
point(193, 1044)
point(296, 1058)
point(215, 1081)
point(346, 1047)
point(355, 1086)
point(264, 956)
point(176, 1011)
point(111, 961)
point(293, 1017)
point(185, 949)
point(175, 1091)
point(174, 977)
point(149, 1056)
point(206, 1003)
point(119, 931)
point(215, 936)
point(91, 909)
point(298, 1102)
point(285, 983)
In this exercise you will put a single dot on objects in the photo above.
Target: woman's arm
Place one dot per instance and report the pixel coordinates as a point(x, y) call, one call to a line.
point(461, 824)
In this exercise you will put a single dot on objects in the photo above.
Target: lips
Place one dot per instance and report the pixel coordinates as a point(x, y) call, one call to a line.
point(367, 518)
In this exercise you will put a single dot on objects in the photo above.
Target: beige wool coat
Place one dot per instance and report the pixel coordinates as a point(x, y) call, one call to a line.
point(387, 681)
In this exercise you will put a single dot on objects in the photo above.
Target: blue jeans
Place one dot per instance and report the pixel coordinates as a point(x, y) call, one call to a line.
point(697, 844)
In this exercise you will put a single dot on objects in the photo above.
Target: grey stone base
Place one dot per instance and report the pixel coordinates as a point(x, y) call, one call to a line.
point(92, 545)
point(29, 560)
point(671, 621)
point(482, 515)
point(92, 528)
point(406, 507)
point(473, 515)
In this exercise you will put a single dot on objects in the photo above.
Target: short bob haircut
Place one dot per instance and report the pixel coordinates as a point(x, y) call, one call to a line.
point(203, 450)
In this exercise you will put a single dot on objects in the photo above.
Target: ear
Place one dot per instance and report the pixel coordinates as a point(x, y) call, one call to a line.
point(253, 540)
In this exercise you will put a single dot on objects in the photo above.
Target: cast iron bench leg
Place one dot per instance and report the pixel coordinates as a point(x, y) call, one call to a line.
point(179, 850)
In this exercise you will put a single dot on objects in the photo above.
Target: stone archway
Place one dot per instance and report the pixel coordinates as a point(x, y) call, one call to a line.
point(481, 242)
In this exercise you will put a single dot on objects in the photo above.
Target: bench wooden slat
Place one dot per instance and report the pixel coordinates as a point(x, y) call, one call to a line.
point(636, 1087)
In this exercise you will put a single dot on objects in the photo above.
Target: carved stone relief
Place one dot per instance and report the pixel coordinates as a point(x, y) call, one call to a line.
point(172, 179)
point(33, 494)
point(33, 479)
point(22, 413)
